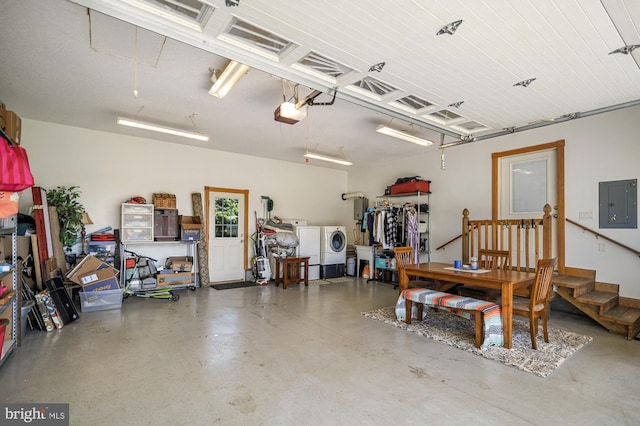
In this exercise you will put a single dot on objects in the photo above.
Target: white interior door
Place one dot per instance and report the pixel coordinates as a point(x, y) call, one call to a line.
point(528, 182)
point(226, 236)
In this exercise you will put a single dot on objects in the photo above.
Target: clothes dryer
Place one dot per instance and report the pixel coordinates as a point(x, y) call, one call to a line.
point(333, 251)
point(309, 246)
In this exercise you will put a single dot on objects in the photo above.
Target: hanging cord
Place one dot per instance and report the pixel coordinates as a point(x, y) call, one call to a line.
point(442, 165)
point(194, 118)
point(135, 66)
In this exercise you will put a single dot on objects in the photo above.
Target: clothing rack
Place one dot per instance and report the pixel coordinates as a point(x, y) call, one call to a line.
point(391, 224)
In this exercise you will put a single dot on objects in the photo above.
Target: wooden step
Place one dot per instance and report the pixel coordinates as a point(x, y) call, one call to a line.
point(579, 285)
point(629, 317)
point(622, 315)
point(605, 300)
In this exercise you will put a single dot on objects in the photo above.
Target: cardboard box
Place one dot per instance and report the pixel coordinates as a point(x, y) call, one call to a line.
point(179, 263)
point(86, 266)
point(11, 124)
point(182, 266)
point(99, 280)
point(23, 246)
point(176, 278)
point(190, 228)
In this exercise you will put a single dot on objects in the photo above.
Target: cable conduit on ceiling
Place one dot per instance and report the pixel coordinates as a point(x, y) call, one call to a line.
point(561, 119)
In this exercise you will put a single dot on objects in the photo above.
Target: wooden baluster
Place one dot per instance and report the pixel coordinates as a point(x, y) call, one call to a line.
point(466, 229)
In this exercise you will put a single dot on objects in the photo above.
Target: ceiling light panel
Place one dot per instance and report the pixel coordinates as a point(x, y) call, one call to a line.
point(445, 117)
point(373, 88)
point(257, 40)
point(322, 67)
point(192, 14)
point(412, 104)
point(470, 127)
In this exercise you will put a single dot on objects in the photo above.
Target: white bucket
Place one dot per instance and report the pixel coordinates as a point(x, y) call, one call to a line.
point(24, 313)
point(351, 267)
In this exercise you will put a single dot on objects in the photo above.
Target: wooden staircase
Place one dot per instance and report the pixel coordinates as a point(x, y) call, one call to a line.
point(600, 301)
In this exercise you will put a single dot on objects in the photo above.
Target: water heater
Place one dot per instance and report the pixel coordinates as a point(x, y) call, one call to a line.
point(360, 205)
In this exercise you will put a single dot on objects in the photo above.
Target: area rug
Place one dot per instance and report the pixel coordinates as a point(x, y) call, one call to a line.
point(318, 282)
point(459, 333)
point(239, 284)
point(340, 280)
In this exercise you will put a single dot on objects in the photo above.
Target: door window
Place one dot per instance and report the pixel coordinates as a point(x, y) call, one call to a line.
point(226, 220)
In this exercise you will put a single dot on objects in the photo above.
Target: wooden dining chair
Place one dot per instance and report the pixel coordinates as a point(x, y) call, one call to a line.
point(487, 259)
point(404, 256)
point(537, 305)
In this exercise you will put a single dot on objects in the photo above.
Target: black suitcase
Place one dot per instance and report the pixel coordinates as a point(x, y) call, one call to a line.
point(64, 304)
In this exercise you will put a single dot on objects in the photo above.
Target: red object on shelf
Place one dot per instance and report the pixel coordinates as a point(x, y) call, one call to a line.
point(3, 326)
point(103, 237)
point(410, 187)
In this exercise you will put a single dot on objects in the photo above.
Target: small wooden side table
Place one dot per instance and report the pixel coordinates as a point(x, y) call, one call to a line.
point(291, 271)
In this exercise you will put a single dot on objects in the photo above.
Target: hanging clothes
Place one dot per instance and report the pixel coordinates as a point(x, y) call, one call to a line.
point(381, 219)
point(370, 226)
point(391, 230)
point(413, 237)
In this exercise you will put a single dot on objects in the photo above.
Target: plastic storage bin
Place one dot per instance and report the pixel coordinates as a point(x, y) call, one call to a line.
point(100, 300)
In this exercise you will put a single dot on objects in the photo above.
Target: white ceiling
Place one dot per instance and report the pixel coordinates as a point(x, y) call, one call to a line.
point(79, 62)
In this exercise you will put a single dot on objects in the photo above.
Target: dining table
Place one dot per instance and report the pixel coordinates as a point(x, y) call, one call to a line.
point(505, 280)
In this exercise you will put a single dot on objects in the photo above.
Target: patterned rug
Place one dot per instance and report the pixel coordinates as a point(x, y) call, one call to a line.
point(340, 279)
point(459, 333)
point(331, 281)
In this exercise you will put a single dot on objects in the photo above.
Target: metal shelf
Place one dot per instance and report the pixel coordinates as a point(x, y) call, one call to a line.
point(12, 300)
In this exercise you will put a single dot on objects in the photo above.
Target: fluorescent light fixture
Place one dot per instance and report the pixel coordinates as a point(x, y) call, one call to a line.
point(168, 130)
point(403, 135)
point(327, 158)
point(228, 79)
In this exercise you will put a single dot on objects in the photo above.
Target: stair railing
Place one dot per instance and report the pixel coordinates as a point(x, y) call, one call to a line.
point(527, 240)
point(604, 237)
point(449, 242)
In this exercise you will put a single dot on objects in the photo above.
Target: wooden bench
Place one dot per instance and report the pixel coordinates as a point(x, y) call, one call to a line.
point(459, 305)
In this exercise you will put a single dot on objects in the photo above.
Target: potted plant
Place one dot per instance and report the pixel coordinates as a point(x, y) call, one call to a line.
point(65, 200)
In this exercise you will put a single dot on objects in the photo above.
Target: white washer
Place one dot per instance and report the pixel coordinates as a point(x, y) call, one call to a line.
point(333, 245)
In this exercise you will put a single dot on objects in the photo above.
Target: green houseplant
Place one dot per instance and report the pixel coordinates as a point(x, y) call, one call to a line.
point(65, 200)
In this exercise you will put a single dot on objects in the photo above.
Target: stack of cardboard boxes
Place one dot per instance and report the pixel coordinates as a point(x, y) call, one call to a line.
point(177, 271)
point(100, 285)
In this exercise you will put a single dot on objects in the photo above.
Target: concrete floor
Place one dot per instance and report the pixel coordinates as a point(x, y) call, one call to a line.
point(268, 356)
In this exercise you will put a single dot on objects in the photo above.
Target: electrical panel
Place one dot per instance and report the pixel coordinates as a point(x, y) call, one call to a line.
point(618, 204)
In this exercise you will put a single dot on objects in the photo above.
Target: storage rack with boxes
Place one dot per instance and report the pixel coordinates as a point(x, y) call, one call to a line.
point(10, 302)
point(183, 269)
point(138, 226)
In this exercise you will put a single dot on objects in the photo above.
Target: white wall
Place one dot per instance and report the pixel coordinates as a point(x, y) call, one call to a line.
point(600, 148)
point(109, 169)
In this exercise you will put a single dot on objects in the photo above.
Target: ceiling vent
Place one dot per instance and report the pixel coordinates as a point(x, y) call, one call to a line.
point(445, 117)
point(188, 13)
point(470, 127)
point(257, 40)
point(373, 88)
point(412, 104)
point(322, 67)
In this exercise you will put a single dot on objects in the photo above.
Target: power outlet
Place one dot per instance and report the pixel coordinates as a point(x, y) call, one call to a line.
point(585, 215)
point(601, 246)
